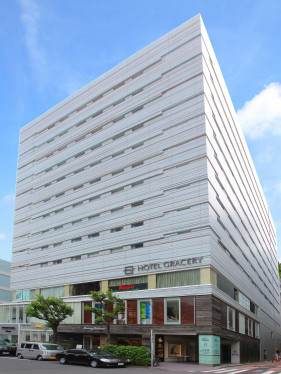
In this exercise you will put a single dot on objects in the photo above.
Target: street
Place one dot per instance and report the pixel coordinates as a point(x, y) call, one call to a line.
point(12, 365)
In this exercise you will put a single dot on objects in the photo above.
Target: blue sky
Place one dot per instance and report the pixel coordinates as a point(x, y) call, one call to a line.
point(51, 48)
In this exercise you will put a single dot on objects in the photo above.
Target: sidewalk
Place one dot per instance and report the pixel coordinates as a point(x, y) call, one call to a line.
point(187, 367)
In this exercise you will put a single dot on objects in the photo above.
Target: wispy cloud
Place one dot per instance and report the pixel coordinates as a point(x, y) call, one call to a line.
point(262, 114)
point(30, 16)
point(9, 197)
point(2, 236)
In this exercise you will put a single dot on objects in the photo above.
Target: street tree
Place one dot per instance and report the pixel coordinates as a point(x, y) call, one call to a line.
point(107, 308)
point(53, 310)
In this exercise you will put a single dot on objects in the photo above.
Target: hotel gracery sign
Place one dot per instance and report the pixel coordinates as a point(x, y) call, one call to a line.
point(165, 265)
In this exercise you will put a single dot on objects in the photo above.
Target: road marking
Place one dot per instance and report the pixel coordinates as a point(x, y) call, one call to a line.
point(222, 370)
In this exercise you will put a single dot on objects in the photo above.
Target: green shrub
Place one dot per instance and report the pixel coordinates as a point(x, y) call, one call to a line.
point(139, 356)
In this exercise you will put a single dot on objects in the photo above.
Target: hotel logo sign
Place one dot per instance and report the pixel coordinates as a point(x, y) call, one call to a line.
point(166, 265)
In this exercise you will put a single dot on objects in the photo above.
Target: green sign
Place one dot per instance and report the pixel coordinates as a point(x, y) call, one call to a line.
point(209, 349)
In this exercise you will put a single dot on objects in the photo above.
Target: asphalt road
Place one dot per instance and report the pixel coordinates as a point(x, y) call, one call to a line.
point(12, 365)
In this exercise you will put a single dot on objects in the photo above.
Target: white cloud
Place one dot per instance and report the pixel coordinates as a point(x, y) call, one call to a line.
point(262, 114)
point(30, 16)
point(9, 197)
point(2, 236)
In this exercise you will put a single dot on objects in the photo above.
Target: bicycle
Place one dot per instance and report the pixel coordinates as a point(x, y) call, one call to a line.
point(155, 361)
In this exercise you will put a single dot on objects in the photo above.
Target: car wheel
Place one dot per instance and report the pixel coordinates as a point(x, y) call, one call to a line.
point(62, 361)
point(94, 364)
point(19, 355)
point(39, 358)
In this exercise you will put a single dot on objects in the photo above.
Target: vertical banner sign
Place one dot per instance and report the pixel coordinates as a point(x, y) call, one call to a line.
point(209, 349)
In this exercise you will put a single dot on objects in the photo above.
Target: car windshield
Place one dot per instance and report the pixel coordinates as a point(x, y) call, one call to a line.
point(52, 347)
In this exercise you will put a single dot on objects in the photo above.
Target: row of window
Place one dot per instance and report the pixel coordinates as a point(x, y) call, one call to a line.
point(163, 280)
point(86, 167)
point(243, 252)
point(93, 216)
point(94, 100)
point(245, 214)
point(237, 321)
point(170, 311)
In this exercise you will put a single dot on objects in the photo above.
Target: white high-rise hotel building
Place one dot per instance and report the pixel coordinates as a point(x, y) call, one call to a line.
point(142, 182)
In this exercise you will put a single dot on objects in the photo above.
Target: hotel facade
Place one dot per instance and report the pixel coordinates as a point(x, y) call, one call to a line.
point(142, 182)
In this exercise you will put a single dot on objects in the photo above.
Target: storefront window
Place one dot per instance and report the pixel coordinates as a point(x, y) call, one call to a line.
point(144, 311)
point(121, 318)
point(174, 349)
point(230, 318)
point(172, 311)
point(178, 278)
point(83, 288)
point(52, 291)
point(128, 284)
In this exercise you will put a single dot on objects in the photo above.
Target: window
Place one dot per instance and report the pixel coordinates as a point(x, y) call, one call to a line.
point(75, 258)
point(241, 323)
point(137, 183)
point(77, 187)
point(115, 210)
point(136, 164)
point(137, 203)
point(137, 145)
point(178, 278)
point(174, 349)
point(52, 291)
point(172, 311)
point(128, 284)
point(94, 235)
point(116, 229)
point(257, 330)
point(117, 190)
point(230, 318)
point(250, 329)
point(76, 240)
point(144, 311)
point(83, 288)
point(117, 171)
point(136, 245)
point(137, 224)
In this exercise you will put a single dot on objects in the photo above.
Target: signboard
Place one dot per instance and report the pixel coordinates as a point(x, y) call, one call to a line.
point(166, 265)
point(209, 349)
point(129, 287)
point(145, 310)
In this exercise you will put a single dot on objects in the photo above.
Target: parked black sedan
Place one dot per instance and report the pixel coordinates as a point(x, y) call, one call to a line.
point(94, 359)
point(7, 348)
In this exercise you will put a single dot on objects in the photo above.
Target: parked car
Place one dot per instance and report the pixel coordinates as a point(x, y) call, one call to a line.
point(38, 351)
point(94, 359)
point(8, 348)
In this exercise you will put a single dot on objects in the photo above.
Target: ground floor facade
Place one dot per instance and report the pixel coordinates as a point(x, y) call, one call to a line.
point(205, 334)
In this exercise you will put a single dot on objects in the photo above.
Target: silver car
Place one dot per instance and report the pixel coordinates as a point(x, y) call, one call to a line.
point(38, 351)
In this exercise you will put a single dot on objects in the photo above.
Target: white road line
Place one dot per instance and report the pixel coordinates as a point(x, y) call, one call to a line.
point(222, 370)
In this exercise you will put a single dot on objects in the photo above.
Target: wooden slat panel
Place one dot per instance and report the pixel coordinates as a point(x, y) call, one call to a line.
point(187, 310)
point(132, 312)
point(87, 315)
point(158, 311)
point(223, 315)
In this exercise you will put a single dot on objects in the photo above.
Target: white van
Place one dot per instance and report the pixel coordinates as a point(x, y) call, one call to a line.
point(38, 351)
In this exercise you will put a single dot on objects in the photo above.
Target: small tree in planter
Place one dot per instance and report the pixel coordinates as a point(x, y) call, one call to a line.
point(53, 310)
point(110, 307)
